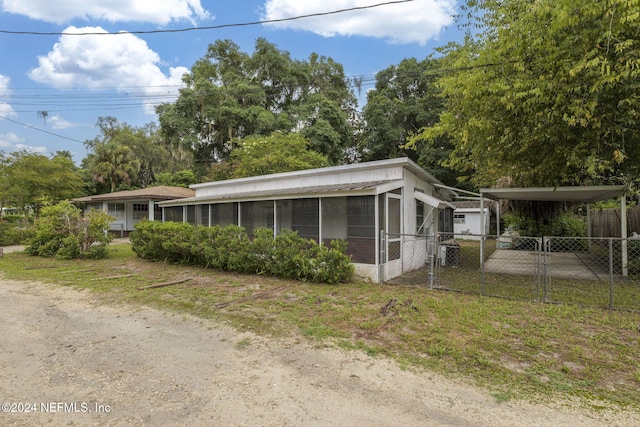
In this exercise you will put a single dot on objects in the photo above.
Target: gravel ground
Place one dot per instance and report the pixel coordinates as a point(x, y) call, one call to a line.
point(68, 359)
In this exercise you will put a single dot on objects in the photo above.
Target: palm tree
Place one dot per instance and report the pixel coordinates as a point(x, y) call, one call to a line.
point(114, 163)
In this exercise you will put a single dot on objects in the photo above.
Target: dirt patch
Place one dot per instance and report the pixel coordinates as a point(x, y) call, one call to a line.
point(80, 362)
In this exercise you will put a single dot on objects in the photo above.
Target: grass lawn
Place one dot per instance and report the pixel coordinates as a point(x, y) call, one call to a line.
point(516, 349)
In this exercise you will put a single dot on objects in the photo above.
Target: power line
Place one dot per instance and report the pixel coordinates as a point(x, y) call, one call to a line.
point(211, 27)
point(41, 130)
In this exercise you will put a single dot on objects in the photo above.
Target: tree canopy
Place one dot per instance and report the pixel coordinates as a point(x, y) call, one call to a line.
point(30, 180)
point(279, 152)
point(126, 155)
point(231, 95)
point(547, 93)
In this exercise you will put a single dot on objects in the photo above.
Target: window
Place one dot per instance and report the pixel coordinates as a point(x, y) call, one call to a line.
point(116, 210)
point(191, 214)
point(173, 213)
point(361, 220)
point(420, 218)
point(458, 218)
point(305, 218)
point(140, 211)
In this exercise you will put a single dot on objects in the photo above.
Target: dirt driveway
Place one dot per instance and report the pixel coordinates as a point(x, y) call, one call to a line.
point(69, 360)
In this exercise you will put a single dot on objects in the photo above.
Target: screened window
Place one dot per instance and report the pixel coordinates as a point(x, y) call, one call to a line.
point(224, 214)
point(116, 210)
point(334, 218)
point(256, 214)
point(191, 214)
point(361, 216)
point(173, 213)
point(204, 215)
point(305, 218)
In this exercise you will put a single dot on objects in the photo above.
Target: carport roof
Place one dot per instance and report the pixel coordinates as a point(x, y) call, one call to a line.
point(587, 194)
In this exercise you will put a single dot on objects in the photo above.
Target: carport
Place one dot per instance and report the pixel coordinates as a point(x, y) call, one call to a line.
point(578, 194)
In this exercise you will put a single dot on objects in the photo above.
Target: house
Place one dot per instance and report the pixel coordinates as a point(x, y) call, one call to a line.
point(468, 222)
point(129, 207)
point(386, 210)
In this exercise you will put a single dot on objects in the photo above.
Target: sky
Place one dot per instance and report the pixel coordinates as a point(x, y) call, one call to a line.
point(65, 64)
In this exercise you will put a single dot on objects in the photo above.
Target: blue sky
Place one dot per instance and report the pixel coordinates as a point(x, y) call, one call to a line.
point(76, 79)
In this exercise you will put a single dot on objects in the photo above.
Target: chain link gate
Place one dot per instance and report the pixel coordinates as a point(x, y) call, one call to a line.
point(598, 272)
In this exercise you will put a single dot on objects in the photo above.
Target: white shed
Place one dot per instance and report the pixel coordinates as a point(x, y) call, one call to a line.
point(468, 222)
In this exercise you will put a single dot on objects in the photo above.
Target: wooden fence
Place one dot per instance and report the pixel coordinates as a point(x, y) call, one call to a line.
point(606, 222)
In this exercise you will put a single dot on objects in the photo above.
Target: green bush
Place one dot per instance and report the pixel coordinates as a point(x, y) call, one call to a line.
point(287, 256)
point(62, 230)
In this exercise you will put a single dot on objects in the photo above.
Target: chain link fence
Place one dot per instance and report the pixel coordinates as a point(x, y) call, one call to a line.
point(595, 272)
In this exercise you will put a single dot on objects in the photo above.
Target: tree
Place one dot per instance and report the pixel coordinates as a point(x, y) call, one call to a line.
point(183, 178)
point(140, 148)
point(231, 95)
point(406, 100)
point(279, 152)
point(547, 94)
point(113, 164)
point(29, 180)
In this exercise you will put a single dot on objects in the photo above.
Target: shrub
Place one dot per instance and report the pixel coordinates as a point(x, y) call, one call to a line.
point(229, 248)
point(62, 231)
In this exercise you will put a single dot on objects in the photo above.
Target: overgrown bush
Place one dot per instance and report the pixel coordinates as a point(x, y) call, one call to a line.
point(14, 231)
point(229, 248)
point(61, 230)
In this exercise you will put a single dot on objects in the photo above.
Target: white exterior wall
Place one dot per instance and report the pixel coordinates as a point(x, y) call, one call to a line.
point(297, 180)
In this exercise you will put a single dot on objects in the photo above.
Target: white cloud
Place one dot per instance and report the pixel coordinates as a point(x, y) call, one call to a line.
point(30, 148)
point(58, 122)
point(414, 22)
point(159, 12)
point(123, 62)
point(8, 140)
point(6, 109)
point(12, 142)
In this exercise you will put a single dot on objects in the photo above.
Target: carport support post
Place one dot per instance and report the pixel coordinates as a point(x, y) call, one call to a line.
point(623, 228)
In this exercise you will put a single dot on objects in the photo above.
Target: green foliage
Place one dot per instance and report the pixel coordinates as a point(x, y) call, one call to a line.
point(563, 225)
point(546, 92)
point(124, 156)
point(62, 231)
point(182, 178)
point(230, 95)
point(279, 152)
point(229, 248)
point(27, 180)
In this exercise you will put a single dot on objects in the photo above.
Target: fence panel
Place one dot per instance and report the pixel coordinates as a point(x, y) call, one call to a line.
point(596, 272)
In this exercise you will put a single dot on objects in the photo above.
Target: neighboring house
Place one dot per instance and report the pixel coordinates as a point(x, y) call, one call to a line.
point(467, 222)
point(385, 210)
point(129, 207)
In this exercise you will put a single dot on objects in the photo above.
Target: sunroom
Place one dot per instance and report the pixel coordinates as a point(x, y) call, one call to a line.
point(383, 209)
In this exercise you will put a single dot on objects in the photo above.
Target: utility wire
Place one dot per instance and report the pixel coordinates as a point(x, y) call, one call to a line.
point(211, 27)
point(41, 130)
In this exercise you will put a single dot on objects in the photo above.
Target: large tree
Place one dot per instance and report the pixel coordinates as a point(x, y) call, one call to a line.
point(548, 93)
point(230, 95)
point(406, 100)
point(125, 154)
point(30, 180)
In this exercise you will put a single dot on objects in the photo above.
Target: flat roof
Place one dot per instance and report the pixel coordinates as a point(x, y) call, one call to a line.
point(361, 188)
point(161, 192)
point(587, 194)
